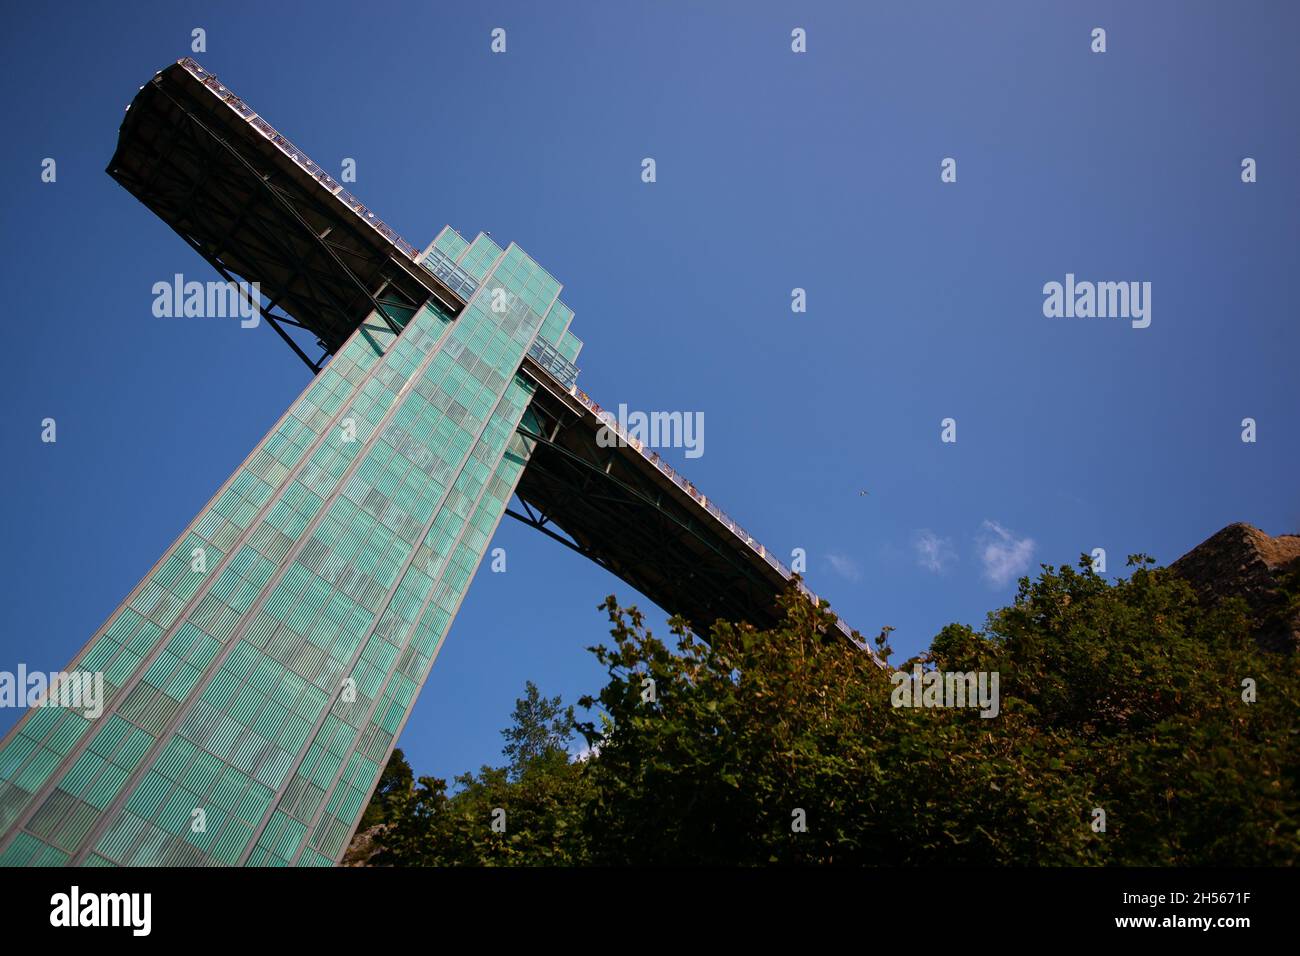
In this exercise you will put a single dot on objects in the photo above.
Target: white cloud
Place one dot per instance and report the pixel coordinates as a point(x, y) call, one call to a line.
point(1004, 556)
point(844, 566)
point(933, 552)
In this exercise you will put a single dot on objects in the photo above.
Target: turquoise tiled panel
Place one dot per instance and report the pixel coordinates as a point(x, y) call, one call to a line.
point(478, 259)
point(569, 346)
point(450, 243)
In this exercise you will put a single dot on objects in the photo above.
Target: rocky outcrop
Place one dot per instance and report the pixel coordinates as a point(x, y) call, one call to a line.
point(1241, 561)
point(362, 848)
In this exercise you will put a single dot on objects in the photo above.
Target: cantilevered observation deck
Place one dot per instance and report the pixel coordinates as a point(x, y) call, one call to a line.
point(257, 208)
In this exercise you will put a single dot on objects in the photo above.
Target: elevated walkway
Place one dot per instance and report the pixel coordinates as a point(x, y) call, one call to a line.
point(257, 208)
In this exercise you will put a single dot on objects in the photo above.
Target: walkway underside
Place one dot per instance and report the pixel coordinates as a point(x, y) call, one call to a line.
point(621, 509)
point(218, 175)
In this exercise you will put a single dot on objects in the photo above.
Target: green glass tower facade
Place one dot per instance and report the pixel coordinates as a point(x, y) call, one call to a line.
point(257, 678)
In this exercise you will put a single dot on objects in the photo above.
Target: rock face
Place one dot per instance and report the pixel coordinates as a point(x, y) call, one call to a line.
point(362, 848)
point(1241, 561)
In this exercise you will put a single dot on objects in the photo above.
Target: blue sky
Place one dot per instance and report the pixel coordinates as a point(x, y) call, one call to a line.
point(775, 171)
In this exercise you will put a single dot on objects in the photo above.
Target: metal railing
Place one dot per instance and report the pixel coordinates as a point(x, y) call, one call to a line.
point(548, 357)
point(452, 276)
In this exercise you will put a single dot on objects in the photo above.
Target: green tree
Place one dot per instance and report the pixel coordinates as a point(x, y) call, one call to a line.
point(539, 726)
point(537, 802)
point(1123, 697)
point(391, 793)
point(784, 745)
